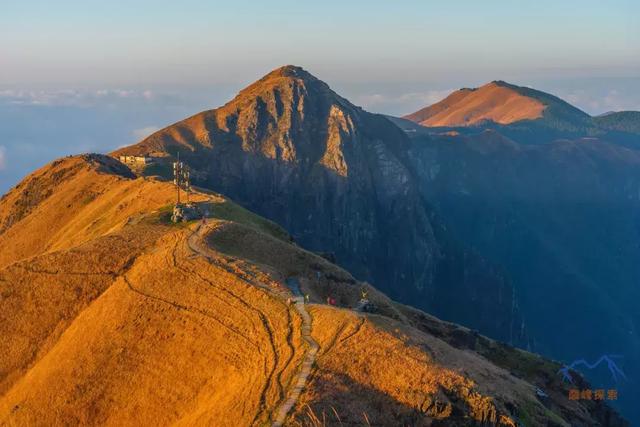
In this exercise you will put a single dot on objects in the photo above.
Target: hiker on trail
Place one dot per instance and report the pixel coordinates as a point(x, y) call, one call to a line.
point(306, 298)
point(364, 293)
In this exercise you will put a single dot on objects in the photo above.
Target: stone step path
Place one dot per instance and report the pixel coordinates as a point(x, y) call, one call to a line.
point(305, 369)
point(299, 383)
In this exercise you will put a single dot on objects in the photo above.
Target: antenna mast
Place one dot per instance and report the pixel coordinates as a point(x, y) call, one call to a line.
point(181, 177)
point(187, 184)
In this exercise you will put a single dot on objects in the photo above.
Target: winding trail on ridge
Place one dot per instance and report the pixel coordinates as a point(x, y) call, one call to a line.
point(299, 382)
point(309, 359)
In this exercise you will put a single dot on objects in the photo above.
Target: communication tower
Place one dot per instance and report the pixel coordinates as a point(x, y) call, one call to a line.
point(181, 179)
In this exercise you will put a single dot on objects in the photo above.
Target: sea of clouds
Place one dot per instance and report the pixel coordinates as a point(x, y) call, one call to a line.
point(38, 125)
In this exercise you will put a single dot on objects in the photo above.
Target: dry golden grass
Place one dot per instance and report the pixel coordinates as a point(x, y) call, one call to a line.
point(395, 375)
point(111, 316)
point(490, 102)
point(81, 205)
point(41, 296)
point(109, 319)
point(171, 340)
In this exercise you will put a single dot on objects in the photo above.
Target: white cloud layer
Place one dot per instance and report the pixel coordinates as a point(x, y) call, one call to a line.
point(400, 104)
point(610, 100)
point(426, 98)
point(3, 158)
point(72, 97)
point(144, 132)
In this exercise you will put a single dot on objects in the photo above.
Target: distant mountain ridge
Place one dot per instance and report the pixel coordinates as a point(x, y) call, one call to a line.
point(524, 114)
point(495, 101)
point(554, 200)
point(623, 121)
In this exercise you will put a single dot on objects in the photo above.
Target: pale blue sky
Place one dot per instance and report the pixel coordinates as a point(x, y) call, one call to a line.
point(205, 42)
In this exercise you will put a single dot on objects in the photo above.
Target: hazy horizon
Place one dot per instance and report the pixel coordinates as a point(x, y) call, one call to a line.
point(92, 77)
point(42, 122)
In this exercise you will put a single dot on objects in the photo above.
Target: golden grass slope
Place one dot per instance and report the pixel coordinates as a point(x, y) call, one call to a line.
point(72, 201)
point(127, 328)
point(113, 316)
point(163, 344)
point(493, 101)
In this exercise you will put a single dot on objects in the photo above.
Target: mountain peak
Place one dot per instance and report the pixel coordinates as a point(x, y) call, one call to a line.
point(288, 114)
point(294, 71)
point(281, 86)
point(498, 102)
point(287, 73)
point(499, 83)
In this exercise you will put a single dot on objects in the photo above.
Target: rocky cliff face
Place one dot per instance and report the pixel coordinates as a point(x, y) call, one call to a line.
point(564, 219)
point(339, 180)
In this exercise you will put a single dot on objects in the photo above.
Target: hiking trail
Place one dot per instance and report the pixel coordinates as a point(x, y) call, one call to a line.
point(309, 358)
point(299, 382)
